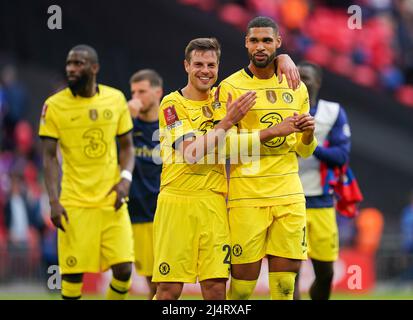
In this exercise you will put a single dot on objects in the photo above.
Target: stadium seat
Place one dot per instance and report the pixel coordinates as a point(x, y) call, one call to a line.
point(405, 95)
point(364, 76)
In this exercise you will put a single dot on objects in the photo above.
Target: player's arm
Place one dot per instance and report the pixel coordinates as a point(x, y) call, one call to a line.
point(337, 153)
point(51, 175)
point(285, 65)
point(127, 162)
point(126, 153)
point(198, 147)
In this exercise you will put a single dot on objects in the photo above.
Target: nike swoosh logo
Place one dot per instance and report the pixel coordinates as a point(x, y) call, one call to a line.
point(194, 119)
point(74, 118)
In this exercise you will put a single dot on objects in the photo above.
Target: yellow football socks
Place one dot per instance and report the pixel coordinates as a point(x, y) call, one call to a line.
point(71, 290)
point(118, 290)
point(241, 289)
point(282, 285)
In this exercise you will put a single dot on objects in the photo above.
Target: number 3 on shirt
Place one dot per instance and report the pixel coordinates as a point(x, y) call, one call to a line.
point(96, 147)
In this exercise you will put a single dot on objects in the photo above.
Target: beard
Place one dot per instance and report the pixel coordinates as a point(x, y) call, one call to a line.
point(264, 63)
point(79, 84)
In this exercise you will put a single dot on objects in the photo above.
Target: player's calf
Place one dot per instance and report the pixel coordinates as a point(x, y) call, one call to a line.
point(121, 281)
point(72, 286)
point(213, 289)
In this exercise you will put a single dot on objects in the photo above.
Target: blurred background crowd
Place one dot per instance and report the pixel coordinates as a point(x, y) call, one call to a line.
point(370, 71)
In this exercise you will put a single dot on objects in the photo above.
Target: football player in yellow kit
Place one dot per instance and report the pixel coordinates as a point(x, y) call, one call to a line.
point(95, 231)
point(267, 213)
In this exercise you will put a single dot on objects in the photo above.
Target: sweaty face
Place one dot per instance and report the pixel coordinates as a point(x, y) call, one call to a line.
point(148, 95)
point(78, 69)
point(202, 69)
point(262, 44)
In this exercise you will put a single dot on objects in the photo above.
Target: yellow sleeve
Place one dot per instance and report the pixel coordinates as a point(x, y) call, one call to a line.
point(174, 123)
point(49, 122)
point(125, 120)
point(304, 150)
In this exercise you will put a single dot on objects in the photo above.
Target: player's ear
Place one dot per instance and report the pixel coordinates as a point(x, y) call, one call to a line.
point(159, 93)
point(95, 68)
point(186, 65)
point(246, 41)
point(278, 41)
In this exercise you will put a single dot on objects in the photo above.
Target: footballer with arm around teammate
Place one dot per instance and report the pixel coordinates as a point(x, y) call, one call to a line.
point(267, 208)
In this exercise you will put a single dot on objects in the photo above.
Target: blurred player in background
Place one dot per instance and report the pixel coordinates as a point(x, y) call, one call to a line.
point(267, 208)
point(146, 90)
point(191, 234)
point(95, 231)
point(333, 134)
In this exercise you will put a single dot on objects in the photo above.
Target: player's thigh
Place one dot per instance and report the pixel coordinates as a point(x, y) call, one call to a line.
point(287, 237)
point(248, 229)
point(143, 245)
point(214, 259)
point(116, 237)
point(175, 236)
point(79, 245)
point(323, 234)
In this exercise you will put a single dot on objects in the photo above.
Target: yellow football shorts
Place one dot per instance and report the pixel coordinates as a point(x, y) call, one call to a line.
point(143, 244)
point(191, 237)
point(322, 234)
point(95, 239)
point(275, 230)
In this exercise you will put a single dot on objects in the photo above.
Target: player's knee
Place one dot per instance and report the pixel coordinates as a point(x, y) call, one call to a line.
point(324, 271)
point(168, 291)
point(214, 289)
point(122, 271)
point(73, 278)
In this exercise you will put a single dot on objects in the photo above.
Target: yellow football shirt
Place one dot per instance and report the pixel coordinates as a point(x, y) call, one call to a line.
point(180, 118)
point(86, 130)
point(273, 179)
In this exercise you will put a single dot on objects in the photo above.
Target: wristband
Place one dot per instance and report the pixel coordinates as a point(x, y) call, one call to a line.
point(125, 174)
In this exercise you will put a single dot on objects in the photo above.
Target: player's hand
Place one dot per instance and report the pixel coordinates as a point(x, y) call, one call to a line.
point(306, 123)
point(135, 106)
point(122, 192)
point(286, 66)
point(56, 213)
point(236, 110)
point(286, 127)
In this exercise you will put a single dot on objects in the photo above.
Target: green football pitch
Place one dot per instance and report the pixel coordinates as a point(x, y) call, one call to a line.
point(335, 296)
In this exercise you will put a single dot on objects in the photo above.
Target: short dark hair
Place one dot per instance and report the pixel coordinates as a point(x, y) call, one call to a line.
point(147, 74)
point(317, 69)
point(262, 22)
point(202, 44)
point(91, 52)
